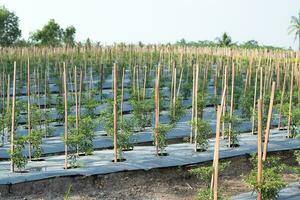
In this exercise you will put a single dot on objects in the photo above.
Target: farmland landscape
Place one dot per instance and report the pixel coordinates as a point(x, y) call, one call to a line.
point(211, 119)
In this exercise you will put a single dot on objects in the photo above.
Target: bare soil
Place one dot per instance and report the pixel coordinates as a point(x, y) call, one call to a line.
point(159, 184)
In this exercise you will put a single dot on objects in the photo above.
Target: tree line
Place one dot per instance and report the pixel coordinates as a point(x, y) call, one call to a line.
point(53, 35)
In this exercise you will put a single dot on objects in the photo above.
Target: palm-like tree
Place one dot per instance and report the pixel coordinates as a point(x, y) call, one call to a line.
point(224, 40)
point(295, 27)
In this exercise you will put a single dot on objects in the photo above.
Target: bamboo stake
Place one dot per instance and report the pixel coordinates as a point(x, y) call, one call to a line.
point(193, 105)
point(174, 92)
point(122, 94)
point(269, 122)
point(28, 108)
point(80, 93)
point(145, 81)
point(254, 102)
point(76, 103)
point(115, 112)
point(12, 145)
point(216, 155)
point(290, 102)
point(66, 115)
point(259, 148)
point(157, 108)
point(196, 108)
point(281, 100)
point(231, 102)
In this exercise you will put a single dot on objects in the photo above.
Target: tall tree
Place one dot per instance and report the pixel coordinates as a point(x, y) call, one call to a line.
point(50, 35)
point(224, 40)
point(9, 27)
point(295, 27)
point(69, 36)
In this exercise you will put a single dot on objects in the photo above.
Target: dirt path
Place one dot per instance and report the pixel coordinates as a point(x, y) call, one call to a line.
point(159, 184)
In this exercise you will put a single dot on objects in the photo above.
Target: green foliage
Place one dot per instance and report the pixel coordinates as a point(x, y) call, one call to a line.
point(204, 173)
point(36, 141)
point(272, 181)
point(17, 156)
point(179, 111)
point(246, 105)
point(233, 132)
point(9, 27)
point(186, 90)
point(203, 133)
point(50, 35)
point(142, 112)
point(224, 40)
point(162, 131)
point(69, 36)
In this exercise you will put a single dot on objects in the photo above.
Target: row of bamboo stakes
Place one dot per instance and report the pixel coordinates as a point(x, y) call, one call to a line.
point(220, 110)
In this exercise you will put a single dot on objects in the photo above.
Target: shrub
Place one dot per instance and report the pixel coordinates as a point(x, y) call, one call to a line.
point(17, 156)
point(203, 133)
point(272, 181)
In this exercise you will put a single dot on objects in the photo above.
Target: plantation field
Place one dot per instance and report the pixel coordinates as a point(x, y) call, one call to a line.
point(80, 112)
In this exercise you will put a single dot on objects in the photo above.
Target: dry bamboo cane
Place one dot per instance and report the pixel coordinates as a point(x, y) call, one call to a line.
point(8, 94)
point(224, 100)
point(12, 145)
point(180, 80)
point(174, 92)
point(172, 85)
point(145, 81)
point(28, 109)
point(269, 122)
point(281, 100)
point(193, 105)
point(122, 95)
point(254, 102)
point(80, 94)
point(218, 125)
point(157, 108)
point(115, 112)
point(76, 104)
point(216, 156)
point(196, 108)
point(261, 88)
point(66, 115)
point(231, 103)
point(259, 147)
point(290, 102)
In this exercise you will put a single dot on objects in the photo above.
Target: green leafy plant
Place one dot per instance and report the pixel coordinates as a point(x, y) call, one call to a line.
point(17, 156)
point(203, 133)
point(204, 174)
point(272, 181)
point(162, 131)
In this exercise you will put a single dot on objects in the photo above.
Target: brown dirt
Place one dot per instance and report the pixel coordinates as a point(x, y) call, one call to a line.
point(158, 184)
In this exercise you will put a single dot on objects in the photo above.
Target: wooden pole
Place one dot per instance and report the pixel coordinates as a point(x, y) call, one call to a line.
point(76, 103)
point(174, 92)
point(254, 102)
point(290, 102)
point(157, 108)
point(28, 109)
point(216, 155)
point(12, 145)
point(259, 147)
point(66, 116)
point(115, 72)
point(196, 108)
point(193, 105)
point(281, 100)
point(269, 122)
point(122, 94)
point(231, 102)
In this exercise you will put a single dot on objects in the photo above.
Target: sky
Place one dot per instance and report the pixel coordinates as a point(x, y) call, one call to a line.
point(162, 21)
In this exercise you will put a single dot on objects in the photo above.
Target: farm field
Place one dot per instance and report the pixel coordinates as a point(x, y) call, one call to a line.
point(77, 113)
point(149, 100)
